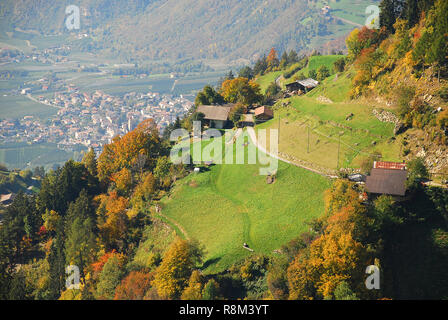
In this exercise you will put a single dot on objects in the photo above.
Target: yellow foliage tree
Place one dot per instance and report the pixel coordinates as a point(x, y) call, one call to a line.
point(194, 289)
point(241, 90)
point(176, 268)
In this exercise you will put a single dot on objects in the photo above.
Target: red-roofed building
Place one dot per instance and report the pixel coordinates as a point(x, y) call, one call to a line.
point(389, 165)
point(264, 113)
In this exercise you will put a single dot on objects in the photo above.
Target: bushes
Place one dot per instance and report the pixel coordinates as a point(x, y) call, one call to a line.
point(236, 113)
point(339, 65)
point(322, 73)
point(272, 92)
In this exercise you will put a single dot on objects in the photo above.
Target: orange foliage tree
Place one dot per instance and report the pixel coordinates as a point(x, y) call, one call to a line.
point(136, 150)
point(134, 286)
point(272, 59)
point(112, 219)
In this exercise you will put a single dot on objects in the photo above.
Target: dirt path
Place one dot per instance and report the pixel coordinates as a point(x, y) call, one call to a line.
point(349, 22)
point(29, 96)
point(175, 223)
point(253, 137)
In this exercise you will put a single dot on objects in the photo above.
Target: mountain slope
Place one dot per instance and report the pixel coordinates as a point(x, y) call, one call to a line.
point(173, 29)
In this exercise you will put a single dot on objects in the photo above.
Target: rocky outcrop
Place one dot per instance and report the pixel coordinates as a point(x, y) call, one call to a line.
point(386, 116)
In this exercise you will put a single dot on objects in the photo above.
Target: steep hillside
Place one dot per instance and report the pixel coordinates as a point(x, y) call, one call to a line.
point(172, 29)
point(326, 130)
point(228, 205)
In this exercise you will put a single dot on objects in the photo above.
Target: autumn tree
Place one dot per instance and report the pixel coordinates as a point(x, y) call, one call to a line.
point(123, 181)
point(272, 59)
point(194, 289)
point(145, 190)
point(241, 90)
point(112, 220)
point(125, 151)
point(360, 39)
point(174, 272)
point(332, 258)
point(134, 287)
point(110, 277)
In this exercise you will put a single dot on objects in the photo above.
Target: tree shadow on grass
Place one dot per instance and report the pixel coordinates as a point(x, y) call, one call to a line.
point(210, 262)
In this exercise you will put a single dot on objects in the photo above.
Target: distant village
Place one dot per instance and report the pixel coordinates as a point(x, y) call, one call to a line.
point(92, 119)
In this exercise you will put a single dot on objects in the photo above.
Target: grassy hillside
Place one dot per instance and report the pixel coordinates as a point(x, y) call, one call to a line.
point(232, 204)
point(322, 115)
point(317, 61)
point(313, 64)
point(12, 182)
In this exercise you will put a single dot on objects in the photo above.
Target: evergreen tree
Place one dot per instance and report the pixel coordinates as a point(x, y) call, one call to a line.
point(260, 66)
point(19, 289)
point(110, 278)
point(81, 231)
point(412, 12)
point(284, 62)
point(246, 72)
point(208, 96)
point(56, 261)
point(210, 291)
point(6, 263)
point(293, 57)
point(89, 160)
point(390, 10)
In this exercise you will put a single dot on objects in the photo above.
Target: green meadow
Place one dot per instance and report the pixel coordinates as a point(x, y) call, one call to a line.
point(326, 129)
point(227, 205)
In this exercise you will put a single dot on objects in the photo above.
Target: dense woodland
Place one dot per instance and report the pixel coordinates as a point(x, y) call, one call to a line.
point(98, 214)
